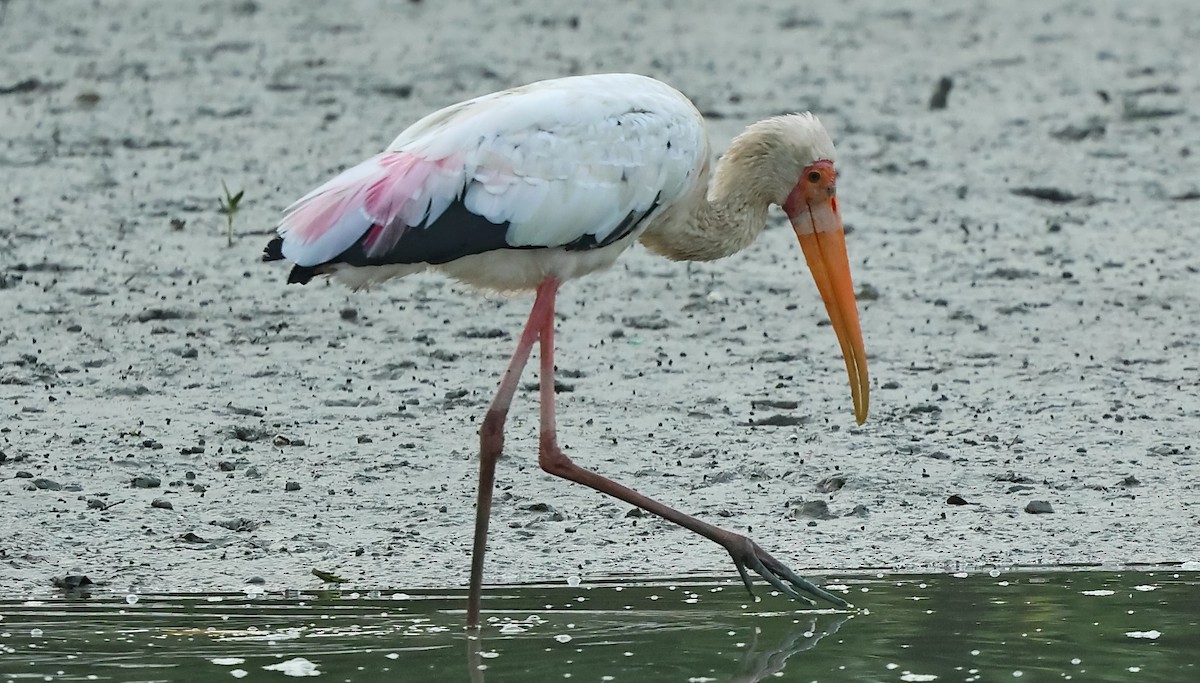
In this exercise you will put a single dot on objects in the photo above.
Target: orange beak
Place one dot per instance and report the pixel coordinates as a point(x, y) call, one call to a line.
point(814, 216)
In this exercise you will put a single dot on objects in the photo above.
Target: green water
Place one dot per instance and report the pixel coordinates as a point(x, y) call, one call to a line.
point(1014, 626)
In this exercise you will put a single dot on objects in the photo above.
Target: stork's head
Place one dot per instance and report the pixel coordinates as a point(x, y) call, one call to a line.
point(794, 164)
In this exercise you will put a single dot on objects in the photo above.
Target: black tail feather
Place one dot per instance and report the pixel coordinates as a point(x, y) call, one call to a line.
point(274, 250)
point(302, 274)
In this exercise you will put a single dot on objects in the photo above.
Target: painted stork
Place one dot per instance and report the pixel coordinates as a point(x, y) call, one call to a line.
point(526, 188)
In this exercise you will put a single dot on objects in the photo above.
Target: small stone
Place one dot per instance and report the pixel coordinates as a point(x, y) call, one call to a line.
point(280, 441)
point(145, 481)
point(363, 438)
point(1038, 507)
point(831, 484)
point(96, 504)
point(46, 484)
point(956, 500)
point(649, 321)
point(162, 504)
point(292, 486)
point(71, 581)
point(636, 512)
point(552, 514)
point(250, 433)
point(867, 292)
point(236, 524)
point(859, 510)
point(349, 314)
point(812, 509)
point(941, 93)
point(226, 466)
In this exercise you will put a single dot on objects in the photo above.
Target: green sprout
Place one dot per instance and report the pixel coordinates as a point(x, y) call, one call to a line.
point(229, 207)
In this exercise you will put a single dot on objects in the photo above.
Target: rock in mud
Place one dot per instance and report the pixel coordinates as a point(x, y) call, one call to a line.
point(810, 509)
point(831, 483)
point(1038, 507)
point(145, 481)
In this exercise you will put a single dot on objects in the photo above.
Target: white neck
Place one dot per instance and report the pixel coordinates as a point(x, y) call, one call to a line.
point(760, 167)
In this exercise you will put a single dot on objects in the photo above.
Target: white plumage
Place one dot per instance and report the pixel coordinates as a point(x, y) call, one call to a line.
point(549, 163)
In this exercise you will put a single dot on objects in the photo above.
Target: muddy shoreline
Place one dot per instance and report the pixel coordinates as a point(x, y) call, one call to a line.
point(1025, 256)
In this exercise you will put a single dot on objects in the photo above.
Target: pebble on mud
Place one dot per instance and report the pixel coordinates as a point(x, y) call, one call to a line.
point(291, 486)
point(812, 509)
point(162, 504)
point(236, 524)
point(956, 499)
point(859, 510)
point(145, 481)
point(250, 433)
point(941, 93)
point(1038, 507)
point(46, 484)
point(831, 484)
point(552, 513)
point(71, 581)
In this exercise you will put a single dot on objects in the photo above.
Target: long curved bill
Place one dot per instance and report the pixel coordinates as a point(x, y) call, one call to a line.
point(823, 239)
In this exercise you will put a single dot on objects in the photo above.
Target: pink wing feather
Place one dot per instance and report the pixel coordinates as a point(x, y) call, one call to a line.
point(380, 197)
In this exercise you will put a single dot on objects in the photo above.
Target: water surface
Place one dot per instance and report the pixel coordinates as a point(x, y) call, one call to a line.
point(989, 626)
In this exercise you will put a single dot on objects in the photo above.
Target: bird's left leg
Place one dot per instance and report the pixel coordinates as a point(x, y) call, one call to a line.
point(745, 552)
point(491, 438)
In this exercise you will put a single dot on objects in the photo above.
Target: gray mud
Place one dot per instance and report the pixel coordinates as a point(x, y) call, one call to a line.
point(1027, 257)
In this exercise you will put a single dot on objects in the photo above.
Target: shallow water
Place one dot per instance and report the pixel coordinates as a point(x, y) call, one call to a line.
point(1018, 625)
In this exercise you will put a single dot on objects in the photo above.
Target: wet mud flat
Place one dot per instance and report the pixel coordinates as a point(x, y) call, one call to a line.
point(1021, 191)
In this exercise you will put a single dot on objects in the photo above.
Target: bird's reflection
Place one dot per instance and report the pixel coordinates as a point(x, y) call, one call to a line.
point(759, 663)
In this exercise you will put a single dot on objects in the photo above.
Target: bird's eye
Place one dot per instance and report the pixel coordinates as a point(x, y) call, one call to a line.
point(814, 176)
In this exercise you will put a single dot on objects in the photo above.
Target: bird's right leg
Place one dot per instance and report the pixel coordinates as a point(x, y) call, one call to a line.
point(745, 552)
point(491, 438)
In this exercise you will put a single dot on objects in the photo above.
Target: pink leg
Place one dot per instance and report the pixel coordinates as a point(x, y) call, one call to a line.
point(491, 438)
point(745, 553)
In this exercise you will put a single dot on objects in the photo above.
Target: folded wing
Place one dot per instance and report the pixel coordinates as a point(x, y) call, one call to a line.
point(538, 167)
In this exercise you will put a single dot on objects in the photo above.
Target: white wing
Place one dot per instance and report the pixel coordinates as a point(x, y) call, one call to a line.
point(553, 163)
